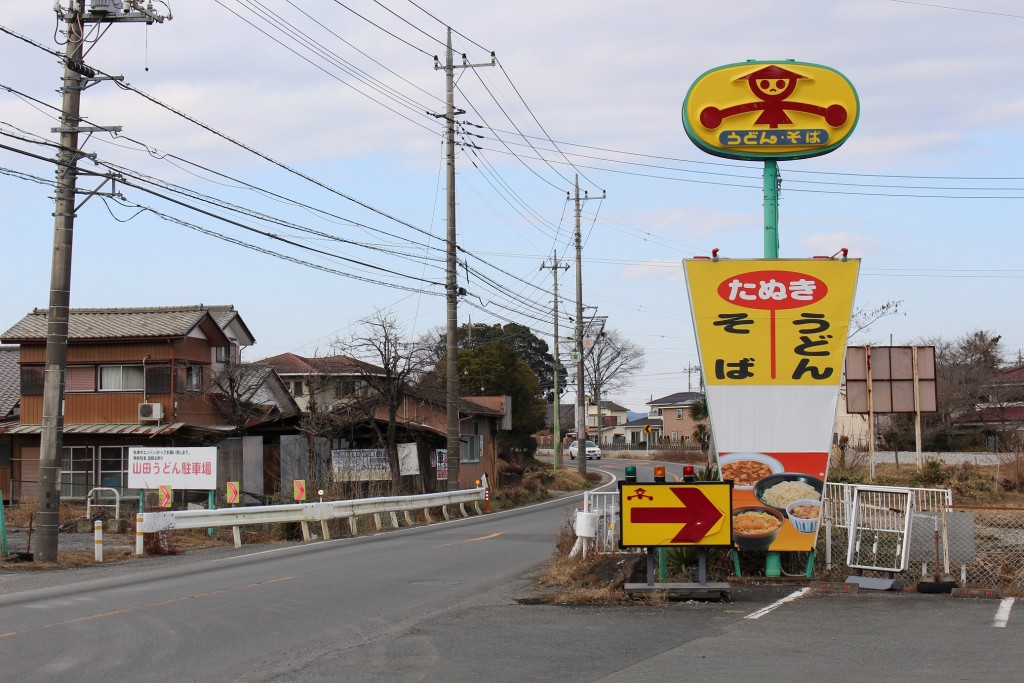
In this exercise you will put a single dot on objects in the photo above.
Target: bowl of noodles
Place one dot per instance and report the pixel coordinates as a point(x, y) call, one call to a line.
point(779, 490)
point(755, 527)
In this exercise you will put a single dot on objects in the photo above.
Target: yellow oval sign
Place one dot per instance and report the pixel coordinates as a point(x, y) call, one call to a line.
point(770, 110)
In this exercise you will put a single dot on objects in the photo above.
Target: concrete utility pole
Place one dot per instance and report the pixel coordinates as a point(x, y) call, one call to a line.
point(581, 417)
point(76, 78)
point(555, 417)
point(451, 286)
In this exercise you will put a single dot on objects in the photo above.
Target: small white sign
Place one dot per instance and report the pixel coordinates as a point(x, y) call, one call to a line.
point(192, 468)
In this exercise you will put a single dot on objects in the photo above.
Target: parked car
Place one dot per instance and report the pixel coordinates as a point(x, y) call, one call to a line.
point(593, 450)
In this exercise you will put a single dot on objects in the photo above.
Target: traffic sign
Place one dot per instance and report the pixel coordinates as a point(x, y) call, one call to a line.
point(299, 489)
point(670, 514)
point(231, 493)
point(166, 496)
point(647, 429)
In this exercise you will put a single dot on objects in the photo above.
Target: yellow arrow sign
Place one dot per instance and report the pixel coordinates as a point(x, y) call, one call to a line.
point(666, 514)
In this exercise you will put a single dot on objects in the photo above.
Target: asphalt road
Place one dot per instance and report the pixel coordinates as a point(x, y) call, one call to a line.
point(441, 603)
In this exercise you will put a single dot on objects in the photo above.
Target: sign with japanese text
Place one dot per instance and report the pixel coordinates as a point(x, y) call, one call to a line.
point(770, 110)
point(772, 322)
point(662, 514)
point(771, 335)
point(441, 459)
point(360, 464)
point(192, 467)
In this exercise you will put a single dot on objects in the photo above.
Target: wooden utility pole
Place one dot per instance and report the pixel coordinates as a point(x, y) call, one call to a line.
point(451, 286)
point(556, 366)
point(51, 441)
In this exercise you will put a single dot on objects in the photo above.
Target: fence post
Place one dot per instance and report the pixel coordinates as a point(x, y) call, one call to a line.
point(138, 534)
point(97, 539)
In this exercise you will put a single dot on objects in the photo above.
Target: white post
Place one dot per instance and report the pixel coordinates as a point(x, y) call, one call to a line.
point(138, 534)
point(97, 533)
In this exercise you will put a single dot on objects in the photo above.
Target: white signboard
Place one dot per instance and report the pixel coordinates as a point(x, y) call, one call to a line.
point(192, 467)
point(441, 459)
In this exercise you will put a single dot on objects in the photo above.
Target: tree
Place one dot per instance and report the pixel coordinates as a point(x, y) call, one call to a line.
point(963, 369)
point(863, 318)
point(234, 389)
point(533, 350)
point(496, 369)
point(388, 364)
point(611, 366)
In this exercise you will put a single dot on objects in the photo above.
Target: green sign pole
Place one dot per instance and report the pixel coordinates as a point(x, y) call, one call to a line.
point(773, 561)
point(771, 208)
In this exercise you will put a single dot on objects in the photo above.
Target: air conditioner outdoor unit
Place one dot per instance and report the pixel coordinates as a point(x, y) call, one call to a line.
point(151, 412)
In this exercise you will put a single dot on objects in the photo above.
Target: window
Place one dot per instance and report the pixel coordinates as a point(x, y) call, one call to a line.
point(679, 413)
point(470, 448)
point(32, 381)
point(158, 379)
point(194, 378)
point(113, 470)
point(297, 390)
point(80, 378)
point(223, 354)
point(121, 378)
point(75, 471)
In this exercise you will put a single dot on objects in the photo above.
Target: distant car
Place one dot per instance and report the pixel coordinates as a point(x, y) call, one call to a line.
point(593, 451)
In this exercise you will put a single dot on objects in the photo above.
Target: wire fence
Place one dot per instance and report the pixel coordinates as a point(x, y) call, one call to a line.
point(974, 546)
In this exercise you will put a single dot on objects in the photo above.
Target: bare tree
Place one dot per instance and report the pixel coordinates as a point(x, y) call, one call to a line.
point(388, 364)
point(234, 391)
point(611, 367)
point(863, 318)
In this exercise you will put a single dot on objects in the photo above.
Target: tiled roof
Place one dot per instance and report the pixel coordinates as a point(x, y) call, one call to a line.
point(118, 429)
point(10, 380)
point(678, 398)
point(119, 323)
point(292, 364)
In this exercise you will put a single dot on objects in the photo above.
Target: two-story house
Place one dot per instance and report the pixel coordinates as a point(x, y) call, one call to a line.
point(324, 381)
point(613, 419)
point(674, 410)
point(136, 377)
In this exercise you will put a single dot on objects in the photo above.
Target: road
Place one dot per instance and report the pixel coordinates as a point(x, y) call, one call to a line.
point(439, 603)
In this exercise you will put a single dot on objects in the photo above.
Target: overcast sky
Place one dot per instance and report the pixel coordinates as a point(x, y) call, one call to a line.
point(927, 191)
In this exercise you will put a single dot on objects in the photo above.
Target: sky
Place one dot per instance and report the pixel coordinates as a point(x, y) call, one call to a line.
point(314, 130)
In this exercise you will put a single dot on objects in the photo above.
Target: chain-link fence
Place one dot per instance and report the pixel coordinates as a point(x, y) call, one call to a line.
point(974, 546)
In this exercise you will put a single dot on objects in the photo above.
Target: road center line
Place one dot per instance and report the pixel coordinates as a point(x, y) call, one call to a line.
point(1003, 613)
point(778, 603)
point(470, 540)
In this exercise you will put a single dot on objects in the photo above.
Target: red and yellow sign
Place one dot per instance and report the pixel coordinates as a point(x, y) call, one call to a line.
point(231, 492)
point(166, 496)
point(662, 514)
point(770, 110)
point(299, 489)
point(771, 335)
point(771, 322)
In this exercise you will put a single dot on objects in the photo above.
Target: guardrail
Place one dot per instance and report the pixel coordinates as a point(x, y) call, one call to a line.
point(304, 513)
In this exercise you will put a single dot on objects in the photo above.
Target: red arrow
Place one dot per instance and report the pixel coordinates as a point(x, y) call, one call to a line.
point(166, 501)
point(698, 517)
point(232, 492)
point(300, 490)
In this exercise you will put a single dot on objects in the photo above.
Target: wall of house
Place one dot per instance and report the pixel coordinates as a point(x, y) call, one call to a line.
point(121, 407)
point(682, 426)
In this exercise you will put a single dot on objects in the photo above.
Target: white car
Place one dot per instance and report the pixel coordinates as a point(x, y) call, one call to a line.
point(593, 451)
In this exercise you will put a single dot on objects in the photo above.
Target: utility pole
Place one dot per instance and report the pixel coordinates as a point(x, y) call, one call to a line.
point(555, 417)
point(581, 417)
point(451, 286)
point(76, 79)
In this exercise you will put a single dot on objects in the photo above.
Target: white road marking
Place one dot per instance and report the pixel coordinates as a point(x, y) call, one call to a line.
point(1003, 613)
point(778, 603)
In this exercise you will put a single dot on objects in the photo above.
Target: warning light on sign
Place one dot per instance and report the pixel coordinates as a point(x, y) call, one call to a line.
point(659, 474)
point(689, 473)
point(630, 474)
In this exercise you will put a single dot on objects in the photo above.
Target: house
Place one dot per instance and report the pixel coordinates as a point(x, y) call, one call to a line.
point(998, 421)
point(613, 419)
point(143, 376)
point(10, 401)
point(674, 411)
point(643, 430)
point(352, 416)
point(322, 381)
point(566, 424)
